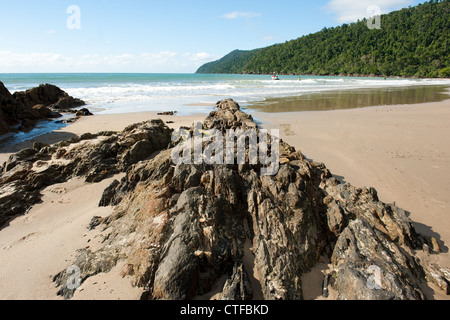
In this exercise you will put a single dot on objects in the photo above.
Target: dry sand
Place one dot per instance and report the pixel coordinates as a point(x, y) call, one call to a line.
point(402, 151)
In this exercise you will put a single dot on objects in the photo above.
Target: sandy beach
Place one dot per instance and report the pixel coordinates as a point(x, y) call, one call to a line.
point(403, 151)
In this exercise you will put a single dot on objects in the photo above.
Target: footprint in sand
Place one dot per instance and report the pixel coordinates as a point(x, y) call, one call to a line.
point(24, 239)
point(64, 201)
point(58, 190)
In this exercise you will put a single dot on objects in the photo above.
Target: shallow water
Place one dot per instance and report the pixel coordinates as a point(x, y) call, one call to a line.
point(351, 99)
point(41, 128)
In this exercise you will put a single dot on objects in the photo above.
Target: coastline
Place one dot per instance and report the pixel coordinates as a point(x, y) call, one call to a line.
point(355, 144)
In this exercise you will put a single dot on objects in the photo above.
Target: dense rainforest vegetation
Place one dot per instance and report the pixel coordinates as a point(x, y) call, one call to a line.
point(412, 42)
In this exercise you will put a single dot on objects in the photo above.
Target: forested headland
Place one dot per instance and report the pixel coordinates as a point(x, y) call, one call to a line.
point(412, 42)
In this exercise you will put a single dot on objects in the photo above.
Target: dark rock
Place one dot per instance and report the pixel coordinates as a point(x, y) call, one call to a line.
point(238, 286)
point(27, 124)
point(95, 222)
point(109, 194)
point(38, 146)
point(83, 112)
point(439, 276)
point(27, 107)
point(87, 136)
point(47, 95)
point(10, 110)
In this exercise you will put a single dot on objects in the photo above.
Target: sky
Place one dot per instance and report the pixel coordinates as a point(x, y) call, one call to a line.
point(154, 36)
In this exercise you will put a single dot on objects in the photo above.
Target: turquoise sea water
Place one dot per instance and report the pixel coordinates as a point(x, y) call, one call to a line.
point(191, 93)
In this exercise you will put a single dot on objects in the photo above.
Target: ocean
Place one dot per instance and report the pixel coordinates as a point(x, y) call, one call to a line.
point(194, 93)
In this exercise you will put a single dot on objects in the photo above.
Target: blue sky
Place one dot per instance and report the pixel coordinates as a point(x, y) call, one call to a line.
point(157, 36)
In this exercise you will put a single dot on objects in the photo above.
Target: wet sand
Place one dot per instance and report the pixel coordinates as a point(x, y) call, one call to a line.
point(352, 99)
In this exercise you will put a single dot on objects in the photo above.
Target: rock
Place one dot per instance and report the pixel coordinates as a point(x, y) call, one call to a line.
point(39, 145)
point(439, 276)
point(127, 270)
point(83, 112)
point(238, 286)
point(27, 124)
point(140, 151)
point(87, 136)
point(183, 227)
point(167, 113)
point(47, 95)
point(369, 266)
point(32, 105)
point(95, 222)
point(435, 245)
point(4, 127)
point(109, 194)
point(11, 111)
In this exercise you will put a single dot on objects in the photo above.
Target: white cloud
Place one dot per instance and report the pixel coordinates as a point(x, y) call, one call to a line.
point(352, 10)
point(239, 14)
point(201, 56)
point(163, 61)
point(268, 38)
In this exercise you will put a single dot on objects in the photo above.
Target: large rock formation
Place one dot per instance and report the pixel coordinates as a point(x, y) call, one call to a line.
point(48, 95)
point(179, 229)
point(25, 108)
point(183, 229)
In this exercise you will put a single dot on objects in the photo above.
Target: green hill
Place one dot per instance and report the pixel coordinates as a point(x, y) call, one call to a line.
point(234, 62)
point(412, 42)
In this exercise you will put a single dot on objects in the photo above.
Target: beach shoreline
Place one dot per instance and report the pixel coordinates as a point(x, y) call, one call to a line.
point(401, 151)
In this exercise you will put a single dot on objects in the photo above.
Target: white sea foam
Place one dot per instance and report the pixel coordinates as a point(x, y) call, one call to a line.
point(111, 93)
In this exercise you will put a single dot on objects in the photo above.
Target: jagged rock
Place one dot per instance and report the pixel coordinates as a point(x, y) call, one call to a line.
point(238, 286)
point(109, 194)
point(47, 95)
point(10, 110)
point(88, 136)
point(83, 113)
point(183, 227)
point(88, 267)
point(27, 107)
point(439, 276)
point(38, 146)
point(435, 245)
